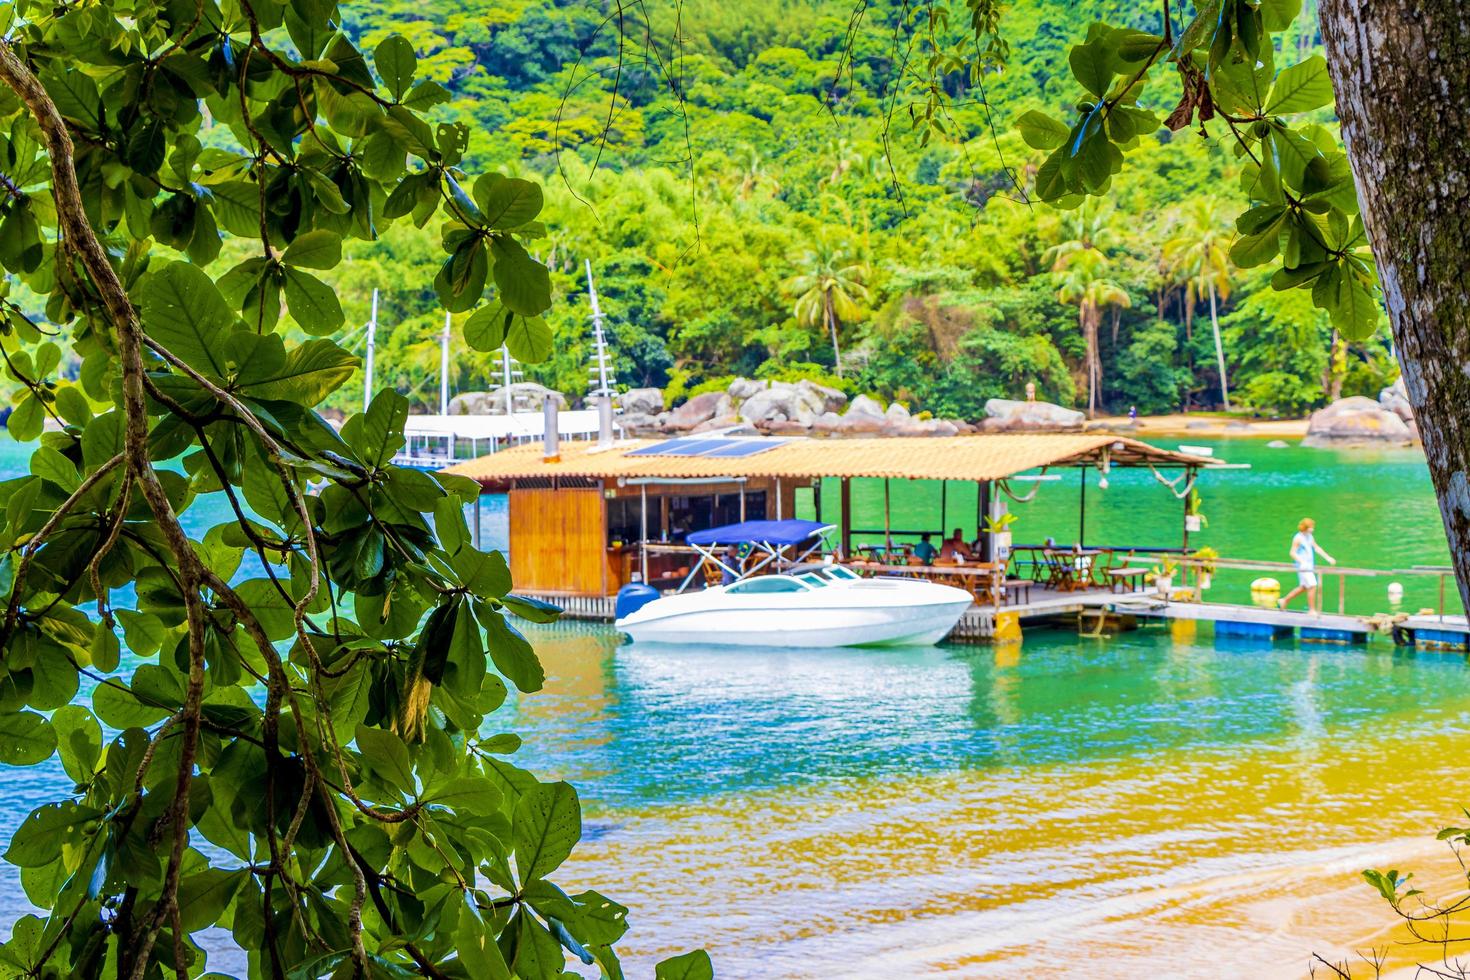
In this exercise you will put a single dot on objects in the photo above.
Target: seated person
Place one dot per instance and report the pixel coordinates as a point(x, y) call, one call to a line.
point(924, 550)
point(955, 547)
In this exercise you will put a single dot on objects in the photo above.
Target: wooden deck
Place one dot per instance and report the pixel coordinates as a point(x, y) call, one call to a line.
point(980, 622)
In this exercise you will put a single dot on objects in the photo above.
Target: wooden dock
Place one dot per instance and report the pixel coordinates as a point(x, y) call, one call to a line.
point(986, 622)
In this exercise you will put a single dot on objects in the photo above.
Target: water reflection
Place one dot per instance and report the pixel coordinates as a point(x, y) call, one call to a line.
point(962, 801)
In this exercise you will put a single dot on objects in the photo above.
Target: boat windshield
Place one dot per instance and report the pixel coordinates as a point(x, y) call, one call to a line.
point(763, 584)
point(812, 579)
point(838, 572)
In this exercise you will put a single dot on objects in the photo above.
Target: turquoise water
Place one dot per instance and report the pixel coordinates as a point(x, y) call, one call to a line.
point(851, 813)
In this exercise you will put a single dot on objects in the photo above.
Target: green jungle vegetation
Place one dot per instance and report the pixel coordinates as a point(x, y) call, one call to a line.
point(787, 170)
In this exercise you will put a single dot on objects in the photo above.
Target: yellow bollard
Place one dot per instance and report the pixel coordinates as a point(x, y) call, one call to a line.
point(1007, 627)
point(1182, 631)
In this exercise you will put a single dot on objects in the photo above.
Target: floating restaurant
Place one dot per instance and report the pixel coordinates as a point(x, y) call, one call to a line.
point(587, 518)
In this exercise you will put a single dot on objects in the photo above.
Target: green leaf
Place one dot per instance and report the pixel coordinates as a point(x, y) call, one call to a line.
point(313, 304)
point(470, 795)
point(461, 279)
point(376, 436)
point(512, 655)
point(529, 339)
point(385, 755)
point(1093, 66)
point(1278, 15)
point(46, 830)
point(524, 283)
point(310, 373)
point(1354, 309)
point(1301, 88)
point(535, 610)
point(486, 328)
point(314, 250)
point(396, 63)
point(1249, 251)
point(205, 896)
point(547, 825)
point(119, 707)
point(507, 202)
point(184, 311)
point(78, 741)
point(27, 420)
point(694, 965)
point(277, 616)
point(1041, 131)
point(26, 739)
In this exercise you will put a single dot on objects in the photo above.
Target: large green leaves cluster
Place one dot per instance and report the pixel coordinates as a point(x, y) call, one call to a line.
point(280, 723)
point(1303, 214)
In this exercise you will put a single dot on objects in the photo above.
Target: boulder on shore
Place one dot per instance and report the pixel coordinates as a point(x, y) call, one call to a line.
point(1005, 415)
point(697, 410)
point(1356, 420)
point(1395, 399)
point(526, 396)
point(643, 401)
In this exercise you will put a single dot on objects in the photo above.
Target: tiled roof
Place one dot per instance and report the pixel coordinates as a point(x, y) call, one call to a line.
point(979, 457)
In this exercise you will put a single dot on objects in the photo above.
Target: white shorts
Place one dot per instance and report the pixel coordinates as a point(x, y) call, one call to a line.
point(1307, 580)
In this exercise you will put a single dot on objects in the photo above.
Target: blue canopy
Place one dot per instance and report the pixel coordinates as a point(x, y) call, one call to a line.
point(760, 532)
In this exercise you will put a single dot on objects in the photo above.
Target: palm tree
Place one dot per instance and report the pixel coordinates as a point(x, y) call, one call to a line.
point(1078, 275)
point(1197, 256)
point(829, 293)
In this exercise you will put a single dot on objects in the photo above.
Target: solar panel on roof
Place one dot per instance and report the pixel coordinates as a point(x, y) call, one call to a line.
point(708, 447)
point(672, 447)
point(744, 447)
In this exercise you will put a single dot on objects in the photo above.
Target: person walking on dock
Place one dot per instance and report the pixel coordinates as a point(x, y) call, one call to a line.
point(1304, 552)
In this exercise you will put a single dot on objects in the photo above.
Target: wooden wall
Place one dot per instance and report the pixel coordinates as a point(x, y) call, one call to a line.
point(558, 541)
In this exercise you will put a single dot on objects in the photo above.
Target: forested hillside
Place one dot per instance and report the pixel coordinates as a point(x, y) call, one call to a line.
point(723, 167)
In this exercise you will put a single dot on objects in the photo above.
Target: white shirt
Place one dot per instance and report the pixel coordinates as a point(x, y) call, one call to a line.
point(1304, 551)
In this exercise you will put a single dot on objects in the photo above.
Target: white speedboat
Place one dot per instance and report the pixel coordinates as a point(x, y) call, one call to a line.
point(828, 606)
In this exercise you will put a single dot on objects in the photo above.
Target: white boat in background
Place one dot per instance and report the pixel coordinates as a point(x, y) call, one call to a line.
point(809, 605)
point(828, 607)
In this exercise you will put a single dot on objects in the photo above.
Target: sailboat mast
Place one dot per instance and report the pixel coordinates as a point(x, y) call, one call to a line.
point(372, 342)
point(444, 367)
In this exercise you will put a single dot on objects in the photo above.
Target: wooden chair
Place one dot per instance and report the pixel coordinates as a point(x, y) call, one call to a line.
point(1061, 573)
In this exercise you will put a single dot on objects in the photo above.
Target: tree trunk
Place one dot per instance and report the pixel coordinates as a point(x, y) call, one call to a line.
point(1219, 348)
point(832, 326)
point(1403, 96)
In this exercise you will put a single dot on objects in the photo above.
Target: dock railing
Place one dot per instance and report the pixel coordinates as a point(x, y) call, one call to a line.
point(1288, 570)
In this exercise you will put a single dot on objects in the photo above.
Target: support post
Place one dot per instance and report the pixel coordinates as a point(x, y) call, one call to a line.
point(1341, 594)
point(643, 532)
point(742, 503)
point(846, 531)
point(1184, 540)
point(1082, 508)
point(477, 518)
point(887, 534)
point(982, 506)
point(943, 506)
point(817, 499)
point(778, 498)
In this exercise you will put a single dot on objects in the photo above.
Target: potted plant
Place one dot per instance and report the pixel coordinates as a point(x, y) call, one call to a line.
point(999, 528)
point(1194, 518)
point(1206, 557)
point(1164, 577)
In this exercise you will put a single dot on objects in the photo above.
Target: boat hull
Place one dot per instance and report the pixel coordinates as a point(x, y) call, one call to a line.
point(870, 614)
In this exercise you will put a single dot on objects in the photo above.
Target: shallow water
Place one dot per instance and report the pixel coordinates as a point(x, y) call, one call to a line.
point(1157, 803)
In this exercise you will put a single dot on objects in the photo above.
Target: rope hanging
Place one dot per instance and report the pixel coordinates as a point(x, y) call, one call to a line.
point(1171, 484)
point(1005, 488)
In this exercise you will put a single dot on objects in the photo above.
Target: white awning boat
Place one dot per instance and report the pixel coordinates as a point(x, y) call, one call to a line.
point(813, 605)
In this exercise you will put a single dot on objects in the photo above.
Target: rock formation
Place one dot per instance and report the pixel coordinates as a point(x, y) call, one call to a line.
point(1356, 420)
point(1004, 415)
